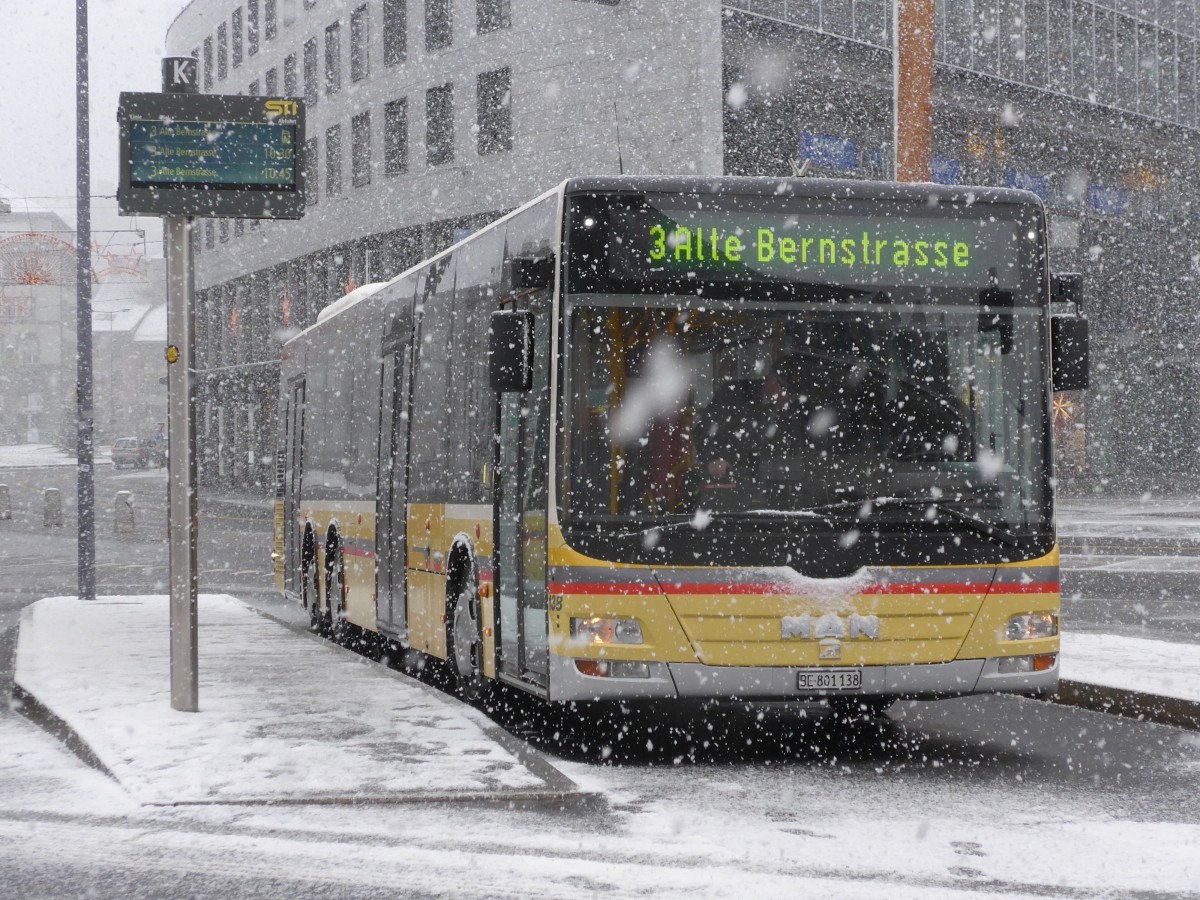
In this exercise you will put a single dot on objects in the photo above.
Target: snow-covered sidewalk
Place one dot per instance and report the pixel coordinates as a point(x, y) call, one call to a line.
point(283, 716)
point(1157, 668)
point(31, 456)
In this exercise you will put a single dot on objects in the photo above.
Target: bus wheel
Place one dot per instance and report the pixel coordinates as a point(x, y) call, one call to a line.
point(464, 640)
point(310, 581)
point(335, 585)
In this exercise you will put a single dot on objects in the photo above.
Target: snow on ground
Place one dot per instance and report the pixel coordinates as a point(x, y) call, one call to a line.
point(24, 456)
point(709, 841)
point(1149, 516)
point(1161, 668)
point(776, 830)
point(281, 716)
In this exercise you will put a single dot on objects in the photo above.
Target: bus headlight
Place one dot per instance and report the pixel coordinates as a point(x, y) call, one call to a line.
point(613, 668)
point(1031, 626)
point(1020, 665)
point(595, 630)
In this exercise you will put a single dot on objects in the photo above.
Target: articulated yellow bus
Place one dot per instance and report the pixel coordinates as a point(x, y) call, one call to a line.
point(783, 439)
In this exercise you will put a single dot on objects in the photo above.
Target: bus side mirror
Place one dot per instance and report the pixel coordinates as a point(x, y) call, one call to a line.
point(532, 272)
point(510, 351)
point(1068, 353)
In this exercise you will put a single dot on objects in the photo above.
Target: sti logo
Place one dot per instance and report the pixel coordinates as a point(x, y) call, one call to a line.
point(277, 108)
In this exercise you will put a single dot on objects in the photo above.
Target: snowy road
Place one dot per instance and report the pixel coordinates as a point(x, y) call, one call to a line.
point(993, 797)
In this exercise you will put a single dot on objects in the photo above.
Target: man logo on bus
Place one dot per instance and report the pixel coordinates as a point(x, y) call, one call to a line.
point(830, 625)
point(277, 108)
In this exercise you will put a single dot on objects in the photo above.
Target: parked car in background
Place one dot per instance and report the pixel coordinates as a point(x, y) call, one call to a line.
point(131, 452)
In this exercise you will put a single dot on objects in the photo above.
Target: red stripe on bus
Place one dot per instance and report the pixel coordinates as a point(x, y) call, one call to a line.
point(882, 589)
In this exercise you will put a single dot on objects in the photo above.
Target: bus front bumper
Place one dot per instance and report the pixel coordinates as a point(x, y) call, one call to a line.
point(698, 681)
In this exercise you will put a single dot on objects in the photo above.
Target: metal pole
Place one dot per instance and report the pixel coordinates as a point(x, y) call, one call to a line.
point(85, 485)
point(913, 32)
point(181, 473)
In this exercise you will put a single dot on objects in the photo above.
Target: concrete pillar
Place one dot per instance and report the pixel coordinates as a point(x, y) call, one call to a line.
point(52, 509)
point(123, 520)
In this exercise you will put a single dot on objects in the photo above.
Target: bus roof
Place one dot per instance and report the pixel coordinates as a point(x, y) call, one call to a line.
point(803, 187)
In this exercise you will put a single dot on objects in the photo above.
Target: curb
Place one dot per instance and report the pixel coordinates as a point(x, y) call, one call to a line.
point(29, 706)
point(1129, 704)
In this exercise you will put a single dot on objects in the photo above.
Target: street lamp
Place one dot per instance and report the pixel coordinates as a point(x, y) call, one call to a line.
point(110, 315)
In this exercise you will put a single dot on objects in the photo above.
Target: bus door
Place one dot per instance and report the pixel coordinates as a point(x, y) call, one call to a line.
point(522, 477)
point(392, 492)
point(292, 477)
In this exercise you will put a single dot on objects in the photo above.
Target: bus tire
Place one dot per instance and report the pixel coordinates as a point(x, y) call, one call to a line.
point(464, 634)
point(335, 584)
point(310, 581)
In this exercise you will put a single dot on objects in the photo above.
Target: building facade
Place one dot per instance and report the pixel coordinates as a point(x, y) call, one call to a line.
point(37, 334)
point(428, 118)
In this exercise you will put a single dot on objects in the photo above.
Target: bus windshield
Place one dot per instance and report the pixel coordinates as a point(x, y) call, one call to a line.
point(806, 408)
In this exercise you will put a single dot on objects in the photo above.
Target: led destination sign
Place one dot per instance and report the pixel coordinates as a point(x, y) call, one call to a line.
point(258, 156)
point(866, 250)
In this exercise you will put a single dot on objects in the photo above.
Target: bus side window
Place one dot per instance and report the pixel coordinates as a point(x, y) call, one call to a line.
point(429, 434)
point(472, 404)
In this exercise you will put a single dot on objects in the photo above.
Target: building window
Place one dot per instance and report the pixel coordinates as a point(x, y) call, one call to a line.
point(360, 43)
point(492, 14)
point(494, 97)
point(222, 51)
point(395, 31)
point(270, 20)
point(223, 230)
point(210, 234)
point(439, 124)
point(360, 149)
point(253, 90)
point(208, 63)
point(251, 26)
point(237, 37)
point(333, 161)
point(333, 58)
point(311, 91)
point(291, 85)
point(239, 227)
point(272, 82)
point(438, 30)
point(312, 172)
point(395, 137)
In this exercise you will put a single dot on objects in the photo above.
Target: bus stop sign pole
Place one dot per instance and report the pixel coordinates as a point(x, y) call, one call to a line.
point(179, 76)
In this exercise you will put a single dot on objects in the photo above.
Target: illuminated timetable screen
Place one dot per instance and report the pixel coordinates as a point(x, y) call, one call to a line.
point(252, 155)
point(211, 155)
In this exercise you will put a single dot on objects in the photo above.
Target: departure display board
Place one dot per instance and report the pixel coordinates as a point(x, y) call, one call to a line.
point(211, 155)
point(829, 249)
point(252, 155)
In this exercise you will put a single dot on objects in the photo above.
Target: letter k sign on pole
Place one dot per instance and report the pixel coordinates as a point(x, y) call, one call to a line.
point(179, 74)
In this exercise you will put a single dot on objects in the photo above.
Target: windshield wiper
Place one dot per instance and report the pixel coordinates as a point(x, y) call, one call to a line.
point(705, 519)
point(979, 526)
